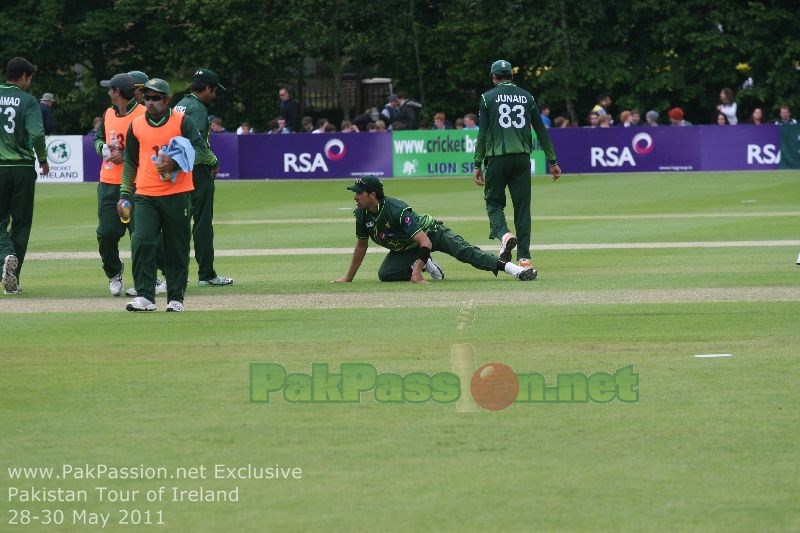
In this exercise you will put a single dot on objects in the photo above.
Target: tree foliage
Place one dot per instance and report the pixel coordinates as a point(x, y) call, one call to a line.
point(650, 54)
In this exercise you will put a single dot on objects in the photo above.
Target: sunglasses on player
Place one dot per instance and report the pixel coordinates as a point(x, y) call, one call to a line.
point(153, 97)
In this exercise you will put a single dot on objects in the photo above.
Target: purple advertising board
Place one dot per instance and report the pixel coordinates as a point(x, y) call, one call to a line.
point(588, 150)
point(91, 161)
point(741, 147)
point(226, 147)
point(667, 148)
point(306, 155)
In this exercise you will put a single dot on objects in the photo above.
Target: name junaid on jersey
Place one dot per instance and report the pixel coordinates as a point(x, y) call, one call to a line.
point(512, 98)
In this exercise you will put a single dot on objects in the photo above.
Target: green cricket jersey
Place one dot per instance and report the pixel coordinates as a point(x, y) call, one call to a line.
point(394, 226)
point(21, 129)
point(506, 116)
point(193, 108)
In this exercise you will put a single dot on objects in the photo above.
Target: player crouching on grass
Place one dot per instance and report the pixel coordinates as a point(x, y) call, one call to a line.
point(410, 238)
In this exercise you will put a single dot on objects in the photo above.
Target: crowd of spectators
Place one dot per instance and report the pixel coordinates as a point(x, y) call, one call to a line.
point(404, 113)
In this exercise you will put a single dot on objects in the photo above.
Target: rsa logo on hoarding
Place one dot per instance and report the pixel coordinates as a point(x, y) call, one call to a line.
point(614, 156)
point(334, 150)
point(769, 154)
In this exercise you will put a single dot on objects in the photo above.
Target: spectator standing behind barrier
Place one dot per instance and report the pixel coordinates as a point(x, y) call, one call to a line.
point(289, 109)
point(204, 88)
point(407, 111)
point(470, 121)
point(651, 118)
point(785, 117)
point(215, 126)
point(727, 106)
point(504, 145)
point(593, 119)
point(244, 129)
point(109, 143)
point(676, 117)
point(46, 105)
point(757, 117)
point(545, 115)
point(440, 122)
point(636, 117)
point(722, 120)
point(389, 111)
point(21, 142)
point(603, 105)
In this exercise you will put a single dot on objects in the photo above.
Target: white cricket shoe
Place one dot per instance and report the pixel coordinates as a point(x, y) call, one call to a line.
point(10, 282)
point(115, 283)
point(140, 303)
point(507, 244)
point(174, 306)
point(161, 286)
point(434, 270)
point(218, 281)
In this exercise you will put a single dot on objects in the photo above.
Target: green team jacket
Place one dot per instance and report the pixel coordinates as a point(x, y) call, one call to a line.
point(193, 108)
point(188, 130)
point(506, 116)
point(394, 226)
point(21, 129)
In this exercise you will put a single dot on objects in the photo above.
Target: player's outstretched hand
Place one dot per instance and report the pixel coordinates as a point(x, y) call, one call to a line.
point(341, 280)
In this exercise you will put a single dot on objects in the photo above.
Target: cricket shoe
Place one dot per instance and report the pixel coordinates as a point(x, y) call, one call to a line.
point(527, 274)
point(525, 263)
point(798, 260)
point(507, 243)
point(161, 288)
point(218, 281)
point(140, 303)
point(434, 270)
point(10, 264)
point(174, 306)
point(115, 284)
point(19, 290)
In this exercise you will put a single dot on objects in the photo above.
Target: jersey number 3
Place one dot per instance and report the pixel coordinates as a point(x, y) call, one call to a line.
point(11, 113)
point(505, 119)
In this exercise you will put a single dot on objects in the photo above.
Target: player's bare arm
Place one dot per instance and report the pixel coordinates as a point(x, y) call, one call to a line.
point(425, 247)
point(355, 263)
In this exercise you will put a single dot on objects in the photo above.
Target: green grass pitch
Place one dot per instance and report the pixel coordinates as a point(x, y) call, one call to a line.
point(635, 269)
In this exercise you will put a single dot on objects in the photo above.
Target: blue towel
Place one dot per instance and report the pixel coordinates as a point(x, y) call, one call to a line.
point(180, 149)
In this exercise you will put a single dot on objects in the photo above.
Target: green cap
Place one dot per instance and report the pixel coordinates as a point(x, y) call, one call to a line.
point(366, 184)
point(501, 67)
point(139, 78)
point(158, 85)
point(206, 75)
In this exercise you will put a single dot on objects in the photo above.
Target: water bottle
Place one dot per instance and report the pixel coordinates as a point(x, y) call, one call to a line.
point(108, 148)
point(126, 212)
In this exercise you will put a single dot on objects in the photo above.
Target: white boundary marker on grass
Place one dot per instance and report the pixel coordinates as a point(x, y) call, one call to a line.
point(710, 355)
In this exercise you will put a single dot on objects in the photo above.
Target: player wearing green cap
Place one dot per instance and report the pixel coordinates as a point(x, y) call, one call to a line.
point(410, 238)
point(203, 91)
point(21, 142)
point(503, 149)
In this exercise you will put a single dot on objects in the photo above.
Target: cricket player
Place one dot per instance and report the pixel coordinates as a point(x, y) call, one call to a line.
point(110, 136)
point(21, 143)
point(410, 238)
point(203, 91)
point(503, 149)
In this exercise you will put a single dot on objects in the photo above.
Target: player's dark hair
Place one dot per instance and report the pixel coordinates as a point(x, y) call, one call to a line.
point(379, 194)
point(18, 67)
point(504, 76)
